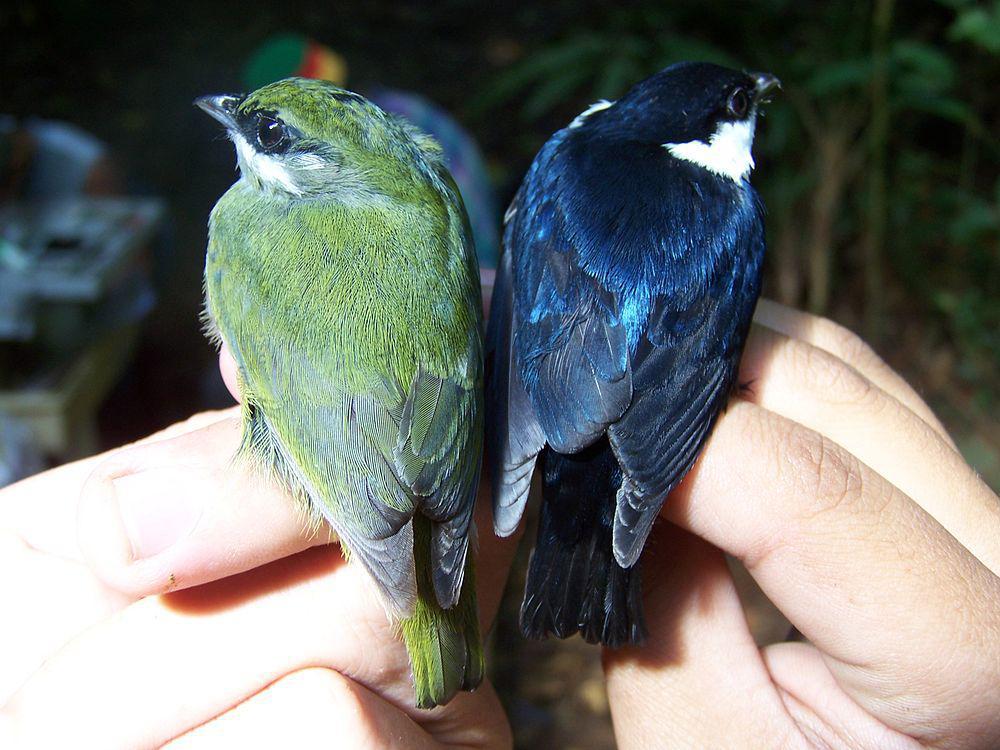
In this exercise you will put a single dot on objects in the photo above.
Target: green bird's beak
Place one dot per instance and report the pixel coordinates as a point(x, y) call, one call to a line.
point(221, 106)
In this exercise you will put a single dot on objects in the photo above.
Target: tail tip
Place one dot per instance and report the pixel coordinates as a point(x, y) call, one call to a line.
point(620, 627)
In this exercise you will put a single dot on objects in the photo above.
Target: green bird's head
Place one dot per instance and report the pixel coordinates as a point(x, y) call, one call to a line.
point(301, 138)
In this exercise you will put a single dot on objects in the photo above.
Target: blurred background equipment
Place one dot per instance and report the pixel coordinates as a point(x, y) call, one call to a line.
point(74, 285)
point(879, 164)
point(49, 159)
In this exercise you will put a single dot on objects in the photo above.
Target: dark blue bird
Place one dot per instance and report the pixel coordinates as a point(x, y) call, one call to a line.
point(631, 270)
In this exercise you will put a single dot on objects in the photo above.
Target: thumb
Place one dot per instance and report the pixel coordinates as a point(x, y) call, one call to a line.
point(182, 511)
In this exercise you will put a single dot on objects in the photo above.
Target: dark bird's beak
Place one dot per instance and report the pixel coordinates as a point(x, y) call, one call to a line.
point(766, 85)
point(222, 107)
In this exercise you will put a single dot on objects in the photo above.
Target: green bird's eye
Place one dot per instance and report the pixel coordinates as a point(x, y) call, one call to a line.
point(271, 133)
point(738, 104)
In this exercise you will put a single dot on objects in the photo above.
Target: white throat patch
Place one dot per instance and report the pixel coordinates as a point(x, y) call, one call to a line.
point(727, 152)
point(595, 107)
point(266, 169)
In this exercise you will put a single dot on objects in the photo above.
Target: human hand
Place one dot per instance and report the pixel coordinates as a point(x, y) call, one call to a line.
point(838, 489)
point(160, 594)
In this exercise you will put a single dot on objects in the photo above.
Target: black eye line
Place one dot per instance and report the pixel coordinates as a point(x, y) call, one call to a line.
point(345, 97)
point(251, 126)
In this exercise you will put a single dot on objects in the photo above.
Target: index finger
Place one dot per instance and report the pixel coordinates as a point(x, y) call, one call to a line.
point(904, 610)
point(847, 346)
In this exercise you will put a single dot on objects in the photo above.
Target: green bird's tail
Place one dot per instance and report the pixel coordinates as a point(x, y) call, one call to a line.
point(446, 653)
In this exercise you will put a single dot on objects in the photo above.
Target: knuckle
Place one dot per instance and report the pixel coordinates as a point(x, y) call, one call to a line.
point(832, 379)
point(830, 479)
point(320, 687)
point(826, 486)
point(846, 344)
point(315, 678)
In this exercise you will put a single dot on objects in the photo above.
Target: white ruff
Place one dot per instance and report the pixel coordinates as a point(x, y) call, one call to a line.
point(268, 170)
point(727, 152)
point(595, 107)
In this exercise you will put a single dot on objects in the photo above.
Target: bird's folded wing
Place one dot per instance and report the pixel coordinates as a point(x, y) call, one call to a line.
point(514, 436)
point(337, 449)
point(369, 461)
point(557, 349)
point(682, 373)
point(437, 455)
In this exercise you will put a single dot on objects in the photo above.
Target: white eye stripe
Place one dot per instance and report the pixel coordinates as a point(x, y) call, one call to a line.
point(266, 169)
point(311, 161)
point(727, 153)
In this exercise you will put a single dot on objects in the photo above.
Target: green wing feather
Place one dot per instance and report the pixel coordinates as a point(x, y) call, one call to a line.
point(439, 440)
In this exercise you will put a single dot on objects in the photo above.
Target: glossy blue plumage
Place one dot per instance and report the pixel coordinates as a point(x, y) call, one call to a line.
point(622, 305)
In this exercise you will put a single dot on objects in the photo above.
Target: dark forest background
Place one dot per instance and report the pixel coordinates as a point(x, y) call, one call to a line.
point(878, 163)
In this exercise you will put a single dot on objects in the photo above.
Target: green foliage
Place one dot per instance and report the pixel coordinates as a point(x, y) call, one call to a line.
point(603, 63)
point(977, 23)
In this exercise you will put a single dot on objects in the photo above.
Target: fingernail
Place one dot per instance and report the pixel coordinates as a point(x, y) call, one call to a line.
point(156, 509)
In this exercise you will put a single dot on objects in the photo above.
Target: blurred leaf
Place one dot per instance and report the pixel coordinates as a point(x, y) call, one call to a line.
point(617, 76)
point(553, 91)
point(840, 76)
point(973, 218)
point(676, 48)
point(919, 67)
point(611, 59)
point(943, 107)
point(568, 59)
point(780, 128)
point(979, 25)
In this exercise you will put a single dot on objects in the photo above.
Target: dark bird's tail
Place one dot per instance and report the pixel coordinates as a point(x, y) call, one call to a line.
point(574, 582)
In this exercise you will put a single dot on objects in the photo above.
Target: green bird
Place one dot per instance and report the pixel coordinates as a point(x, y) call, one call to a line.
point(341, 275)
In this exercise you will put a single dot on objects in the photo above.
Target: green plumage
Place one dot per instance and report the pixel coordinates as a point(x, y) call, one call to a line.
point(436, 639)
point(340, 273)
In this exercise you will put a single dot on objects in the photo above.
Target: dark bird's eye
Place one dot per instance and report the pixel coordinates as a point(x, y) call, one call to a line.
point(739, 104)
point(270, 132)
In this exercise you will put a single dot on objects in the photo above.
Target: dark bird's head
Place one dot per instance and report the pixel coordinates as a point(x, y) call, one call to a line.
point(701, 113)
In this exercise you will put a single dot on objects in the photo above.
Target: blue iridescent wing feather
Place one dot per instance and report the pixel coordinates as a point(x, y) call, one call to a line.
point(514, 437)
